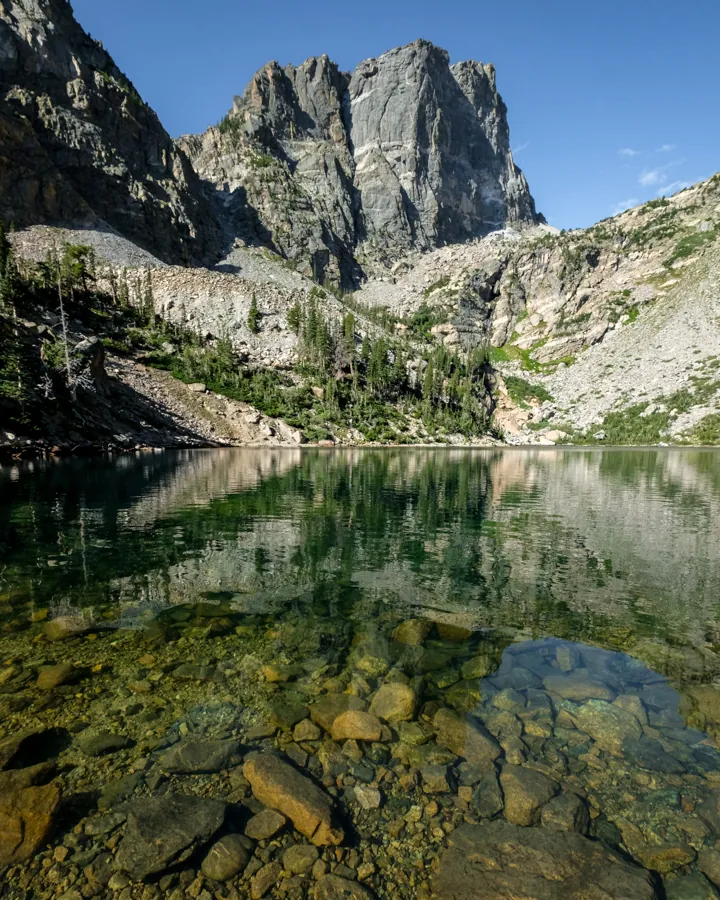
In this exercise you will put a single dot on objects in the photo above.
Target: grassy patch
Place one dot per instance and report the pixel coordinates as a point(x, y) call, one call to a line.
point(707, 431)
point(656, 204)
point(261, 161)
point(702, 389)
point(509, 352)
point(423, 319)
point(437, 286)
point(522, 392)
point(690, 244)
point(626, 427)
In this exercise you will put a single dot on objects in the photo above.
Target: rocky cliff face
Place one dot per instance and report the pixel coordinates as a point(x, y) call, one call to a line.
point(78, 144)
point(344, 174)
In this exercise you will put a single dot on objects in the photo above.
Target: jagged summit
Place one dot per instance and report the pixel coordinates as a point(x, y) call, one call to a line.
point(342, 172)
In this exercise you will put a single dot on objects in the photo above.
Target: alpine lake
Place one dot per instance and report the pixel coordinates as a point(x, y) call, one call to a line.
point(347, 674)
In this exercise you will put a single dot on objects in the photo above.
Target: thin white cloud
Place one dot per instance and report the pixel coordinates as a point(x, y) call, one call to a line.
point(624, 204)
point(520, 149)
point(666, 189)
point(666, 148)
point(629, 152)
point(650, 177)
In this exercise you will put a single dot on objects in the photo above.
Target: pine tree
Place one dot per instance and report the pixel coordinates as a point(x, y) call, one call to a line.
point(323, 345)
point(428, 388)
point(366, 351)
point(311, 326)
point(112, 280)
point(124, 290)
point(399, 375)
point(253, 320)
point(149, 299)
point(295, 318)
point(8, 286)
point(349, 334)
point(5, 248)
point(63, 324)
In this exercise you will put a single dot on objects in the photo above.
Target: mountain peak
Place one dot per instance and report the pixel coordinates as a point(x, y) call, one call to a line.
point(405, 153)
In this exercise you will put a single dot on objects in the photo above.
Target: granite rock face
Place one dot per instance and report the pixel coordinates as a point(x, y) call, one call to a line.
point(78, 144)
point(341, 173)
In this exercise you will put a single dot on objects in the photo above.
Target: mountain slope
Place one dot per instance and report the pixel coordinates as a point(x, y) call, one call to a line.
point(608, 320)
point(396, 183)
point(78, 144)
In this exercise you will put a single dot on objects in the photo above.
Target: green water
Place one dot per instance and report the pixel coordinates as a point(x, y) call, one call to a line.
point(542, 589)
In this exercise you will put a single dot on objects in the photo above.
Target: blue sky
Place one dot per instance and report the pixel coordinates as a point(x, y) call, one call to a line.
point(610, 104)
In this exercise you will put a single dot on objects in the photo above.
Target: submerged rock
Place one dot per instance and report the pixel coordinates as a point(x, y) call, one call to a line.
point(367, 797)
point(690, 887)
point(371, 657)
point(325, 710)
point(453, 633)
point(394, 703)
point(265, 824)
point(567, 657)
point(665, 858)
point(330, 887)
point(164, 831)
point(497, 861)
point(566, 812)
point(226, 858)
point(466, 737)
point(266, 878)
point(608, 725)
point(193, 756)
point(649, 754)
point(286, 713)
point(27, 814)
point(278, 785)
point(356, 725)
point(63, 627)
point(104, 742)
point(412, 632)
point(300, 858)
point(487, 800)
point(709, 865)
point(53, 676)
point(435, 779)
point(525, 792)
point(578, 686)
point(306, 731)
point(478, 667)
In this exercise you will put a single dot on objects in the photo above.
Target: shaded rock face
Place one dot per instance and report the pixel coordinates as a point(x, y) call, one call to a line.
point(77, 143)
point(499, 860)
point(340, 172)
